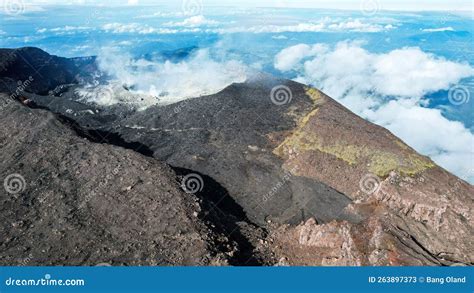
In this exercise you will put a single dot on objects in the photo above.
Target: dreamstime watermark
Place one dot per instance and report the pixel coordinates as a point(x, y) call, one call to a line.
point(191, 7)
point(5, 103)
point(192, 183)
point(95, 14)
point(21, 87)
point(369, 184)
point(281, 95)
point(14, 7)
point(14, 184)
point(26, 261)
point(47, 280)
point(369, 7)
point(287, 177)
point(459, 95)
point(180, 106)
point(105, 92)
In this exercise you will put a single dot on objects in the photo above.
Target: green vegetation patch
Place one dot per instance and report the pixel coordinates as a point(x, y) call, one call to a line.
point(380, 163)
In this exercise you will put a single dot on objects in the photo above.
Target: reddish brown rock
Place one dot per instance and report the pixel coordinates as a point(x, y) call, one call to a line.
point(412, 211)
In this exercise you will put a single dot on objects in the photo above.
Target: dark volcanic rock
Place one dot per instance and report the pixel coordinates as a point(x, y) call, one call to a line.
point(40, 71)
point(359, 194)
point(312, 158)
point(80, 203)
point(227, 136)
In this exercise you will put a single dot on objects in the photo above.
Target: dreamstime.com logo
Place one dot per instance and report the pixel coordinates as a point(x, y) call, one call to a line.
point(192, 183)
point(286, 178)
point(21, 87)
point(45, 281)
point(14, 184)
point(369, 7)
point(369, 184)
point(459, 95)
point(281, 95)
point(13, 7)
point(191, 7)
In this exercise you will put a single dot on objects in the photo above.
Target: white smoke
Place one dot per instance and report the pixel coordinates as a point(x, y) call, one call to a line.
point(390, 89)
point(149, 82)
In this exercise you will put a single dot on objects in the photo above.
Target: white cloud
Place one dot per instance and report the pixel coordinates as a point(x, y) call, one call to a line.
point(194, 21)
point(81, 48)
point(200, 23)
point(357, 25)
point(280, 37)
point(324, 25)
point(64, 29)
point(17, 8)
point(448, 143)
point(128, 28)
point(125, 43)
point(301, 27)
point(441, 29)
point(160, 14)
point(410, 71)
point(137, 28)
point(363, 81)
point(170, 82)
point(288, 58)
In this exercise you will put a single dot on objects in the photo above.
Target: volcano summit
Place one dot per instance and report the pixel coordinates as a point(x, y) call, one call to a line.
point(264, 172)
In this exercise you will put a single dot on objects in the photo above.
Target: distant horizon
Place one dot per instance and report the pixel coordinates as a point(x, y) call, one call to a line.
point(381, 5)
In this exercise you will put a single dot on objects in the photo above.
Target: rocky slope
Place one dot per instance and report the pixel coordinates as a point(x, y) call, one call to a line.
point(42, 72)
point(67, 200)
point(324, 186)
point(413, 211)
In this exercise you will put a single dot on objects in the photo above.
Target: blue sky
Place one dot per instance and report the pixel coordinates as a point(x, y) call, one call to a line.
point(407, 5)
